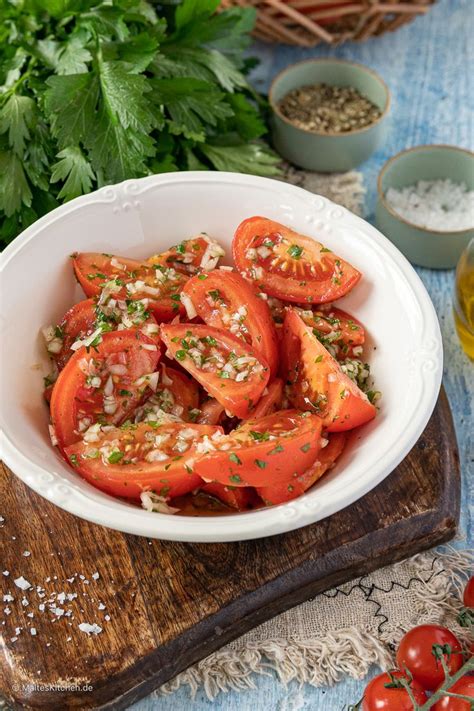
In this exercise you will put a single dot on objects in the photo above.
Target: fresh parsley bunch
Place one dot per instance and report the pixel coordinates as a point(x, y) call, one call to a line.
point(96, 91)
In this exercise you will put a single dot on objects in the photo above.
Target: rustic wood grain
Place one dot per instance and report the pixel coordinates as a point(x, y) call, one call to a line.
point(171, 604)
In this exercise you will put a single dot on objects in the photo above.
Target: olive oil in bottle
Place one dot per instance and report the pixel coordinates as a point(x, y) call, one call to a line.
point(464, 299)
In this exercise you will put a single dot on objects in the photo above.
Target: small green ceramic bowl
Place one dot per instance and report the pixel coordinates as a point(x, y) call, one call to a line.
point(422, 246)
point(328, 152)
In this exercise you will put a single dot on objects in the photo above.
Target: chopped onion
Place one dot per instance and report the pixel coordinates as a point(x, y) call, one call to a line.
point(52, 434)
point(153, 502)
point(188, 305)
point(117, 369)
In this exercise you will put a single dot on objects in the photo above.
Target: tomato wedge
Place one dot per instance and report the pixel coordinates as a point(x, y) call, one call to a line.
point(103, 384)
point(127, 460)
point(316, 381)
point(236, 497)
point(157, 287)
point(228, 369)
point(191, 255)
point(262, 452)
point(211, 412)
point(289, 265)
point(86, 321)
point(285, 491)
point(224, 299)
point(270, 401)
point(175, 394)
point(342, 334)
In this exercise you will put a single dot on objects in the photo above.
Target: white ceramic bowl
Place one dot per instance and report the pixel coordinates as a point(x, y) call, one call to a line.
point(140, 217)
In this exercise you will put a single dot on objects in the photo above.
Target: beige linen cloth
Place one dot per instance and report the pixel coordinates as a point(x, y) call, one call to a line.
point(347, 629)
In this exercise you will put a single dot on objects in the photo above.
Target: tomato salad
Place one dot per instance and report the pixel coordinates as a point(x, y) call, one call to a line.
point(185, 385)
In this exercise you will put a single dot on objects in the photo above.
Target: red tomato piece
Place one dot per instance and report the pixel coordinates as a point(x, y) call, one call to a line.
point(176, 394)
point(228, 369)
point(128, 460)
point(339, 332)
point(464, 686)
point(104, 384)
point(316, 381)
point(236, 497)
point(415, 653)
point(278, 494)
point(270, 401)
point(77, 323)
point(261, 452)
point(468, 597)
point(225, 300)
point(211, 412)
point(155, 286)
point(289, 265)
point(191, 255)
point(379, 697)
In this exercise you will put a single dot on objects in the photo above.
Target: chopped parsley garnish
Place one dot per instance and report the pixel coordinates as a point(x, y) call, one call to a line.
point(325, 249)
point(73, 460)
point(318, 359)
point(305, 447)
point(180, 355)
point(202, 276)
point(234, 458)
point(295, 251)
point(210, 340)
point(235, 478)
point(214, 294)
point(115, 457)
point(124, 393)
point(260, 436)
point(276, 449)
point(260, 463)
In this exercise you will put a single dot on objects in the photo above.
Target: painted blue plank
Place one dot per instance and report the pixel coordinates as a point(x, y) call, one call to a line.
point(426, 67)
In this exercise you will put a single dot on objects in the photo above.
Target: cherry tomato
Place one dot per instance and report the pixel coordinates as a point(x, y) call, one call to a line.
point(279, 493)
point(316, 381)
point(225, 300)
point(103, 384)
point(379, 697)
point(175, 393)
point(468, 597)
point(124, 461)
point(190, 256)
point(261, 452)
point(415, 653)
point(464, 686)
point(236, 497)
point(156, 287)
point(289, 265)
point(270, 401)
point(228, 369)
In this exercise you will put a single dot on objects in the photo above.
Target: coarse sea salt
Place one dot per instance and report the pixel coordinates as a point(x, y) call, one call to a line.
point(441, 205)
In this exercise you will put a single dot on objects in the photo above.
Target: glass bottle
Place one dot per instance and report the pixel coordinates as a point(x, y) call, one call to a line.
point(463, 306)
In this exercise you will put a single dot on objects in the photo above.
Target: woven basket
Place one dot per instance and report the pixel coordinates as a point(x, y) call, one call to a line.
point(307, 22)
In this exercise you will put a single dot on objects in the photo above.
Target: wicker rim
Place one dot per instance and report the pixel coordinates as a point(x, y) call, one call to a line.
point(393, 213)
point(332, 134)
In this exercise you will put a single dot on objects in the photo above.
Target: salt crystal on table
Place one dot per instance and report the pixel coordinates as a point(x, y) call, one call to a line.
point(22, 583)
point(90, 629)
point(26, 553)
point(7, 610)
point(5, 572)
point(8, 598)
point(33, 631)
point(95, 576)
point(101, 606)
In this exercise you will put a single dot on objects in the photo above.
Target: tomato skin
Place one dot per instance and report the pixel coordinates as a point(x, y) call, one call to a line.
point(415, 654)
point(176, 393)
point(329, 321)
point(318, 274)
point(316, 381)
point(269, 402)
point(70, 392)
point(378, 698)
point(76, 323)
point(255, 324)
point(211, 412)
point(279, 493)
point(464, 686)
point(91, 268)
point(169, 478)
point(468, 597)
point(236, 397)
point(236, 497)
point(245, 461)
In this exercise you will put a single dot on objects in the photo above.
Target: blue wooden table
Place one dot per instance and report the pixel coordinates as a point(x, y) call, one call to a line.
point(426, 67)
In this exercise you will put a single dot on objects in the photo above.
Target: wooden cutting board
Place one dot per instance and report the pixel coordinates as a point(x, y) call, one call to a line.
point(163, 606)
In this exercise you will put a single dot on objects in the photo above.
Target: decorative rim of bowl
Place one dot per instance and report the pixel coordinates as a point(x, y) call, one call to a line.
point(394, 213)
point(426, 362)
point(331, 134)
